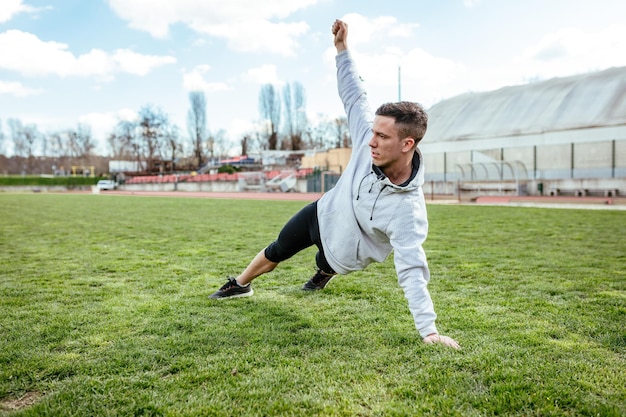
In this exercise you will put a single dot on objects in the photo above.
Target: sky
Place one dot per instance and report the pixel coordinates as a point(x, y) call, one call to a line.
point(96, 62)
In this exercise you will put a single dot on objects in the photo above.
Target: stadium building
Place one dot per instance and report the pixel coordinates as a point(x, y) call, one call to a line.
point(556, 137)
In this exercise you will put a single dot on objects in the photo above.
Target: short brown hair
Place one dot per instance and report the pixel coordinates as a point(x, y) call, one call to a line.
point(411, 118)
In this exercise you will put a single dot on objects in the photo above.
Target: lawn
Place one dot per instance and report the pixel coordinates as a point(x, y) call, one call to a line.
point(105, 312)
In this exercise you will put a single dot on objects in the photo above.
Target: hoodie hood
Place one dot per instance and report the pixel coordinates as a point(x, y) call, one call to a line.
point(382, 183)
point(415, 180)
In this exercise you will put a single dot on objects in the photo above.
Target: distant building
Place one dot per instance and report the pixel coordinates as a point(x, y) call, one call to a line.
point(116, 166)
point(334, 160)
point(564, 133)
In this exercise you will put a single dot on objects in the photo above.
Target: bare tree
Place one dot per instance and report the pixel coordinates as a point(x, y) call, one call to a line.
point(295, 114)
point(55, 144)
point(45, 145)
point(219, 144)
point(269, 107)
point(288, 111)
point(1, 138)
point(80, 142)
point(342, 133)
point(314, 137)
point(173, 144)
point(19, 145)
point(245, 142)
point(210, 146)
point(196, 124)
point(57, 149)
point(121, 140)
point(329, 133)
point(31, 137)
point(152, 125)
point(25, 138)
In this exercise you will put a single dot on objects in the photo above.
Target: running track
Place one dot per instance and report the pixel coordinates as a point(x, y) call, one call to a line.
point(547, 202)
point(211, 194)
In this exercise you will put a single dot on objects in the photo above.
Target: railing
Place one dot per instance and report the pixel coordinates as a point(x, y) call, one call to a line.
point(176, 178)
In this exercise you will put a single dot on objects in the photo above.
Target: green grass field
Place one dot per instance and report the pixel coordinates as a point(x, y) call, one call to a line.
point(105, 312)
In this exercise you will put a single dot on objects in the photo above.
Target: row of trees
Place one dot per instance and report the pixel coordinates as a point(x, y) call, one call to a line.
point(284, 125)
point(152, 138)
point(30, 146)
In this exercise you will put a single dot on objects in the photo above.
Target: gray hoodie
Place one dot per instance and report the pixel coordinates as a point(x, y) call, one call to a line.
point(365, 216)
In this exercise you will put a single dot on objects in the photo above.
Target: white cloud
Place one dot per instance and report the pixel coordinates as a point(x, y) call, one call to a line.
point(139, 64)
point(471, 3)
point(429, 78)
point(101, 124)
point(573, 51)
point(246, 24)
point(560, 54)
point(27, 54)
point(127, 114)
point(10, 8)
point(363, 30)
point(194, 80)
point(240, 127)
point(257, 35)
point(17, 89)
point(265, 74)
point(105, 122)
point(422, 77)
point(384, 64)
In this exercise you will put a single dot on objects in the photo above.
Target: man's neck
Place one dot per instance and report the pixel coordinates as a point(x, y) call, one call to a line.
point(400, 175)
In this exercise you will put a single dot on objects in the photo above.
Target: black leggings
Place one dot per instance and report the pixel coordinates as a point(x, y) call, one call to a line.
point(300, 232)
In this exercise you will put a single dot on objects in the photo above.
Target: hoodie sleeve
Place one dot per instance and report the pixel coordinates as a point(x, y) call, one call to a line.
point(408, 233)
point(354, 99)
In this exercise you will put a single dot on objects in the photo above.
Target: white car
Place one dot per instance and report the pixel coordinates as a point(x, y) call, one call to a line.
point(106, 185)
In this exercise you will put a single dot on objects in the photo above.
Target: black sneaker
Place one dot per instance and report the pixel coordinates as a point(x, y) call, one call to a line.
point(233, 290)
point(318, 281)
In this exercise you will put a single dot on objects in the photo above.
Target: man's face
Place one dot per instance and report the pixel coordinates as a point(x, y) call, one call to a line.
point(385, 145)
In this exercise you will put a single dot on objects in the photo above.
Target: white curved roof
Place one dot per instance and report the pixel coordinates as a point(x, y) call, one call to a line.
point(581, 101)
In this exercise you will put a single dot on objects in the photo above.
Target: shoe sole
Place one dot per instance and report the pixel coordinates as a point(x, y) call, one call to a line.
point(304, 288)
point(245, 294)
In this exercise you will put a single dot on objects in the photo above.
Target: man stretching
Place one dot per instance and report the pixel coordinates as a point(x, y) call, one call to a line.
point(376, 206)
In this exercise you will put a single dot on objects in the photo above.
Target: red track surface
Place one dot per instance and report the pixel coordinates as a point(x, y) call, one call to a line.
point(545, 201)
point(233, 195)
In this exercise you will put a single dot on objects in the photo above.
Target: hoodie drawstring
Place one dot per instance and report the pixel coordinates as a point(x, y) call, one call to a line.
point(358, 195)
point(375, 201)
point(358, 192)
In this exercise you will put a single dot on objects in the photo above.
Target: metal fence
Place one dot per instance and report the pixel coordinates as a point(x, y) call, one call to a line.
point(321, 181)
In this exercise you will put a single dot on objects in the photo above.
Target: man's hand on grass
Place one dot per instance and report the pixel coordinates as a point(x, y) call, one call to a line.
point(444, 340)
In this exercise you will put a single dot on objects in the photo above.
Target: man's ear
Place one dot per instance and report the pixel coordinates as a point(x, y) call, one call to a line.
point(408, 144)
